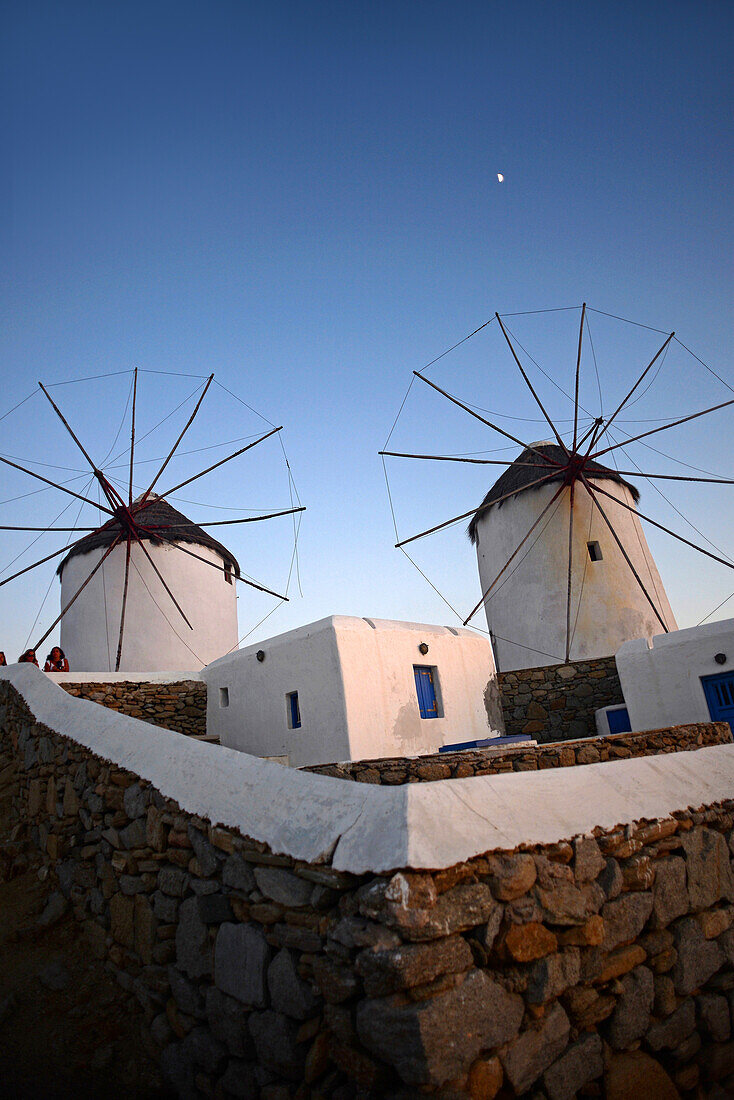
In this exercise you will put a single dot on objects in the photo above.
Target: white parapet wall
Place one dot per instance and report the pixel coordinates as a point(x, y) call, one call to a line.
point(356, 691)
point(663, 677)
point(363, 828)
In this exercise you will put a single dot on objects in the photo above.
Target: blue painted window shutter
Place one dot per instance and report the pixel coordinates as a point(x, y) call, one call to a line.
point(426, 690)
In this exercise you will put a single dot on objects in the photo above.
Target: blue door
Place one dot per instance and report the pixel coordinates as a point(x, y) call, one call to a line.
point(426, 690)
point(719, 692)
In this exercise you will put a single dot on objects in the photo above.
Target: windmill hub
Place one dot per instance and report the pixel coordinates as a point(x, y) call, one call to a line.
point(575, 467)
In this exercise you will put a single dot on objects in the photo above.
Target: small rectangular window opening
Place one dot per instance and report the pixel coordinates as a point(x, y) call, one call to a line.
point(224, 697)
point(294, 710)
point(594, 549)
point(428, 691)
point(228, 572)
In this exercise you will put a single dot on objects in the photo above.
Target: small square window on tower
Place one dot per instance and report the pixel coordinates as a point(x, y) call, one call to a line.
point(594, 549)
point(228, 572)
point(293, 710)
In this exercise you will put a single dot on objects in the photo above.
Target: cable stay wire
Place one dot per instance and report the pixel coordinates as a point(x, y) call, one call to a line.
point(243, 402)
point(455, 346)
point(637, 324)
point(705, 365)
point(30, 395)
point(674, 507)
point(88, 378)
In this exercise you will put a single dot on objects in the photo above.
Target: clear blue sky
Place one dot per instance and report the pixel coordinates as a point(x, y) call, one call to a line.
point(303, 198)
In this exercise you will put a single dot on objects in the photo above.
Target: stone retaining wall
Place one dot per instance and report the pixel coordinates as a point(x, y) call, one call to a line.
point(557, 702)
point(459, 765)
point(605, 960)
point(179, 706)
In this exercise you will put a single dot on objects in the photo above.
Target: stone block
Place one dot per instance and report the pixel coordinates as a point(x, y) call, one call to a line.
point(588, 861)
point(71, 800)
point(553, 975)
point(457, 910)
point(670, 896)
point(122, 924)
point(526, 942)
point(583, 1062)
point(336, 983)
point(204, 1050)
point(536, 1049)
point(193, 949)
point(386, 972)
point(227, 1019)
point(135, 800)
point(713, 1012)
point(289, 993)
point(283, 887)
point(185, 993)
point(237, 874)
point(206, 853)
point(511, 876)
point(165, 907)
point(276, 1044)
point(624, 918)
point(240, 962)
point(631, 1017)
point(155, 830)
point(433, 1041)
point(698, 958)
point(145, 927)
point(133, 835)
point(173, 881)
point(635, 1074)
point(564, 903)
point(665, 999)
point(485, 1079)
point(215, 908)
point(709, 870)
point(610, 879)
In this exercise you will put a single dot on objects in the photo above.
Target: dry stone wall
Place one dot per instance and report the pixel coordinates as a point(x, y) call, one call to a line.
point(459, 765)
point(558, 701)
point(604, 961)
point(179, 706)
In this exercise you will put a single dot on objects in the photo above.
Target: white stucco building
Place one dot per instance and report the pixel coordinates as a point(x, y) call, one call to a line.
point(526, 610)
point(156, 638)
point(348, 688)
point(685, 676)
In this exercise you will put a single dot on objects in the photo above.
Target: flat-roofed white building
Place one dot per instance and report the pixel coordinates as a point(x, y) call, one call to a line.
point(346, 688)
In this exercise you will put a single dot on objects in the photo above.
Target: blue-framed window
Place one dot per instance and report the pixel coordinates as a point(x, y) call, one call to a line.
point(294, 710)
point(426, 684)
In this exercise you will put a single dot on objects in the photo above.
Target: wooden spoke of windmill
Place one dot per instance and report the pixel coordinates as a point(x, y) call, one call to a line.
point(575, 465)
point(148, 518)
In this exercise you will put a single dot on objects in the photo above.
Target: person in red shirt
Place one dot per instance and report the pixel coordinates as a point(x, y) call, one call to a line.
point(56, 661)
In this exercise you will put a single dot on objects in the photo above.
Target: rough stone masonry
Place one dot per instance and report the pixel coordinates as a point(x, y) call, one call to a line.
point(605, 962)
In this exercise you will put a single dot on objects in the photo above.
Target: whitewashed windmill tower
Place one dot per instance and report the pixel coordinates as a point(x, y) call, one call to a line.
point(156, 636)
point(524, 527)
point(565, 569)
point(146, 590)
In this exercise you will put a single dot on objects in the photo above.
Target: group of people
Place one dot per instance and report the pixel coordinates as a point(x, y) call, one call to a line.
point(55, 662)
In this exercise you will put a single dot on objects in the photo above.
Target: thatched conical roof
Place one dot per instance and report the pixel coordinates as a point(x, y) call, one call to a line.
point(524, 470)
point(157, 514)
